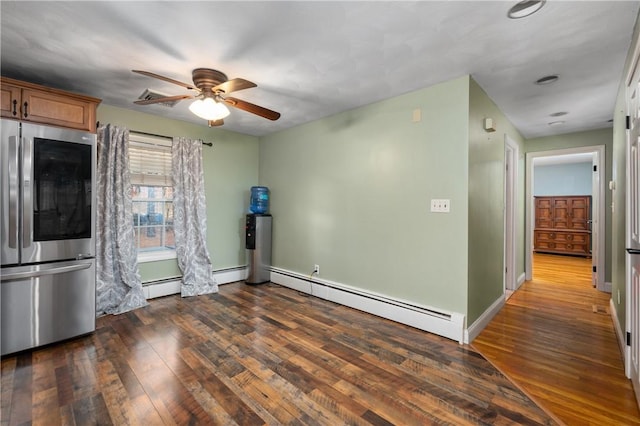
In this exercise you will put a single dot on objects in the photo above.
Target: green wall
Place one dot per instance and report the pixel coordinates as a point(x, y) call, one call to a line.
point(486, 203)
point(230, 169)
point(580, 139)
point(352, 192)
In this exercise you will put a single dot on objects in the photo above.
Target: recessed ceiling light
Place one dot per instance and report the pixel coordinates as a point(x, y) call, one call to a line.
point(558, 114)
point(547, 79)
point(525, 8)
point(556, 123)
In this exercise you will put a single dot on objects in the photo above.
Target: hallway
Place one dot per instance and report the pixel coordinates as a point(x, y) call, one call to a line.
point(555, 339)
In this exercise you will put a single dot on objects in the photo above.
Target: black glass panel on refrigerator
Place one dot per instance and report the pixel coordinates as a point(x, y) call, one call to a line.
point(62, 190)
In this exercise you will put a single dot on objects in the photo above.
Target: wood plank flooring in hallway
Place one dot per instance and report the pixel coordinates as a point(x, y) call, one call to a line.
point(555, 339)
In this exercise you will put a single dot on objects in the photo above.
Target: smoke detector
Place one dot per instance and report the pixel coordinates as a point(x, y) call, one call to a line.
point(147, 95)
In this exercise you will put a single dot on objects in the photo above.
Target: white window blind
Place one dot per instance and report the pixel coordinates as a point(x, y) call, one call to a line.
point(150, 160)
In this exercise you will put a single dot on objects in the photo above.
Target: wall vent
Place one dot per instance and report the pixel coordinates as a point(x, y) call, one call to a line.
point(148, 95)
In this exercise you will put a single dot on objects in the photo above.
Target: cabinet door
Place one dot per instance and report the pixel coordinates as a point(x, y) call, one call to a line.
point(52, 108)
point(544, 212)
point(10, 100)
point(561, 213)
point(579, 213)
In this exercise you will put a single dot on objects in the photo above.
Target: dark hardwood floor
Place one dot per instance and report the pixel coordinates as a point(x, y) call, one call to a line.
point(254, 355)
point(555, 339)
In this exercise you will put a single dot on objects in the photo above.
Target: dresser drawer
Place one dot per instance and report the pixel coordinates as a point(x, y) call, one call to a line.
point(565, 242)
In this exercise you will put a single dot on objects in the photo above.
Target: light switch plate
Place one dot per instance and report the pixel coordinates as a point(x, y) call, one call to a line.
point(440, 205)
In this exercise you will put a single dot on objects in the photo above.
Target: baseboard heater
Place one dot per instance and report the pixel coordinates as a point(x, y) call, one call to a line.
point(442, 323)
point(169, 286)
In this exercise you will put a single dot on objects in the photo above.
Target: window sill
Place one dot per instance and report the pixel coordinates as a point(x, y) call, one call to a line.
point(154, 256)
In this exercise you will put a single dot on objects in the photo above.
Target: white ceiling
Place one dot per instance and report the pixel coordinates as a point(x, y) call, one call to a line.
point(315, 59)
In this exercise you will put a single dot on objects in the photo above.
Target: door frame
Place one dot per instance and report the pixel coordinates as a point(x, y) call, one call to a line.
point(599, 210)
point(511, 157)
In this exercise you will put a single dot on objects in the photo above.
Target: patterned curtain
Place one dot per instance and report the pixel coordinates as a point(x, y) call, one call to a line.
point(118, 287)
point(190, 218)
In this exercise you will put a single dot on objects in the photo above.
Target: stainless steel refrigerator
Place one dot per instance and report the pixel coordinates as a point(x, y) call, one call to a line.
point(47, 206)
point(258, 245)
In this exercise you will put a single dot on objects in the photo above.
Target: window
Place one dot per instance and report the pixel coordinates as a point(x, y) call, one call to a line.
point(152, 196)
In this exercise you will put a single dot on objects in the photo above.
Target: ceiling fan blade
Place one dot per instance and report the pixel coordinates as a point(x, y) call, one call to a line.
point(161, 100)
point(234, 85)
point(167, 79)
point(252, 108)
point(213, 123)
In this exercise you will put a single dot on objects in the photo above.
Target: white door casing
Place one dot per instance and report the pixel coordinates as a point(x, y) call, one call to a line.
point(598, 210)
point(511, 154)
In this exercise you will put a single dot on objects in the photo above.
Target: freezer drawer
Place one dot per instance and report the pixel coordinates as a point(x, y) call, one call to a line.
point(47, 303)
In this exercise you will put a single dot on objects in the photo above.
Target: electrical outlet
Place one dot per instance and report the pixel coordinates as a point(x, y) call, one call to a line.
point(316, 269)
point(440, 205)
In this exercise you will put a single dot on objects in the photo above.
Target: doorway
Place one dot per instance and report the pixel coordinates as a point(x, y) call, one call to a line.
point(596, 153)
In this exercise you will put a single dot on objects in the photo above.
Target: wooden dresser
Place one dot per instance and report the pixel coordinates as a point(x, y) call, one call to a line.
point(563, 225)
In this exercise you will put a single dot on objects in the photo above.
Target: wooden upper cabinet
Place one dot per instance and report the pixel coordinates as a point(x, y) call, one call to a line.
point(572, 213)
point(30, 102)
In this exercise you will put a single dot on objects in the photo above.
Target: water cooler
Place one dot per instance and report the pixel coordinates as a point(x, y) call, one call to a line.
point(258, 245)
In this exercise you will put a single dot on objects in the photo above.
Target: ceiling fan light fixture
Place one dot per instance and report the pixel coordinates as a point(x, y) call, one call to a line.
point(209, 109)
point(525, 8)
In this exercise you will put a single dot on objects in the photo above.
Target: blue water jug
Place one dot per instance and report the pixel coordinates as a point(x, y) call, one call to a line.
point(259, 200)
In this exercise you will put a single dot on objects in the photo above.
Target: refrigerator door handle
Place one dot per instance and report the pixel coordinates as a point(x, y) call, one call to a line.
point(13, 192)
point(27, 198)
point(41, 272)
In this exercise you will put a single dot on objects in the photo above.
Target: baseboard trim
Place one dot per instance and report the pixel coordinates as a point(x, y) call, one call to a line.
point(478, 325)
point(171, 286)
point(521, 280)
point(622, 341)
point(607, 287)
point(436, 321)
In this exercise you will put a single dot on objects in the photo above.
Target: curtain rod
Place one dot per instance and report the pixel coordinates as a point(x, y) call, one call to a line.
point(166, 137)
point(159, 136)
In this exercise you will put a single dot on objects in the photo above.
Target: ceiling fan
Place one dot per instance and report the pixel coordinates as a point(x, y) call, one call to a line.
point(212, 87)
